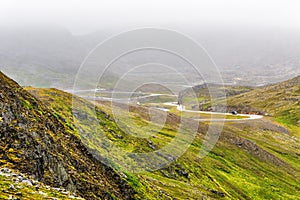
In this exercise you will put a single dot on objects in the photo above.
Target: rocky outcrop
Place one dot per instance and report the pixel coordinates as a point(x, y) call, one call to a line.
point(33, 141)
point(14, 184)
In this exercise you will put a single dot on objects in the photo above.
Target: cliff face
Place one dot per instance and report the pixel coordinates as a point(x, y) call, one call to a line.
point(33, 141)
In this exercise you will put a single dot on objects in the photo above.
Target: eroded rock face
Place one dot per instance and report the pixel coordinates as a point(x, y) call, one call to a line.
point(33, 141)
point(25, 136)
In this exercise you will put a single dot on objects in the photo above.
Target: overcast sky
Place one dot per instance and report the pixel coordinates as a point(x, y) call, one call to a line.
point(87, 16)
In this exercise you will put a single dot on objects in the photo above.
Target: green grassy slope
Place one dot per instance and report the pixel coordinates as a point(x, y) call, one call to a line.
point(282, 101)
point(200, 96)
point(36, 141)
point(257, 160)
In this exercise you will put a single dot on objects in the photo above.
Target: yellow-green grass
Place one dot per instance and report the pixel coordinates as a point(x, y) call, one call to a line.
point(229, 169)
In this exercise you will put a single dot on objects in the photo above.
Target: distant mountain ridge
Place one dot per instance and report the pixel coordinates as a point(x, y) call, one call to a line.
point(51, 56)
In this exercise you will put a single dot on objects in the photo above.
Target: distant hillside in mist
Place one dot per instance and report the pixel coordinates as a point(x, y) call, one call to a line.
point(51, 56)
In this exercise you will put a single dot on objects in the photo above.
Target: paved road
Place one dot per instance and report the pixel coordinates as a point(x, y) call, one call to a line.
point(182, 108)
point(179, 107)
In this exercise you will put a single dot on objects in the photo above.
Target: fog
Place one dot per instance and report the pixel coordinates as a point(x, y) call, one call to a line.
point(43, 43)
point(88, 16)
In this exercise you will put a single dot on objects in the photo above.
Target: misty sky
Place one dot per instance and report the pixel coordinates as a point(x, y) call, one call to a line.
point(87, 16)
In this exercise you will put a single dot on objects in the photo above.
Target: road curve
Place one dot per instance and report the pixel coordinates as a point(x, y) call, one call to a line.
point(179, 107)
point(182, 108)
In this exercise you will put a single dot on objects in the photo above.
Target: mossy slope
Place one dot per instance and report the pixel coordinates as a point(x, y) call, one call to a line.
point(34, 141)
point(249, 161)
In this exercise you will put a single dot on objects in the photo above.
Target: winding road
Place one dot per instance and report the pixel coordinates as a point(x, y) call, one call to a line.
point(183, 109)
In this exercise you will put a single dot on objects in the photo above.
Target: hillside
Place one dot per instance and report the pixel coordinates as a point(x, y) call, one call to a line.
point(15, 185)
point(35, 142)
point(199, 97)
point(280, 100)
point(40, 138)
point(252, 160)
